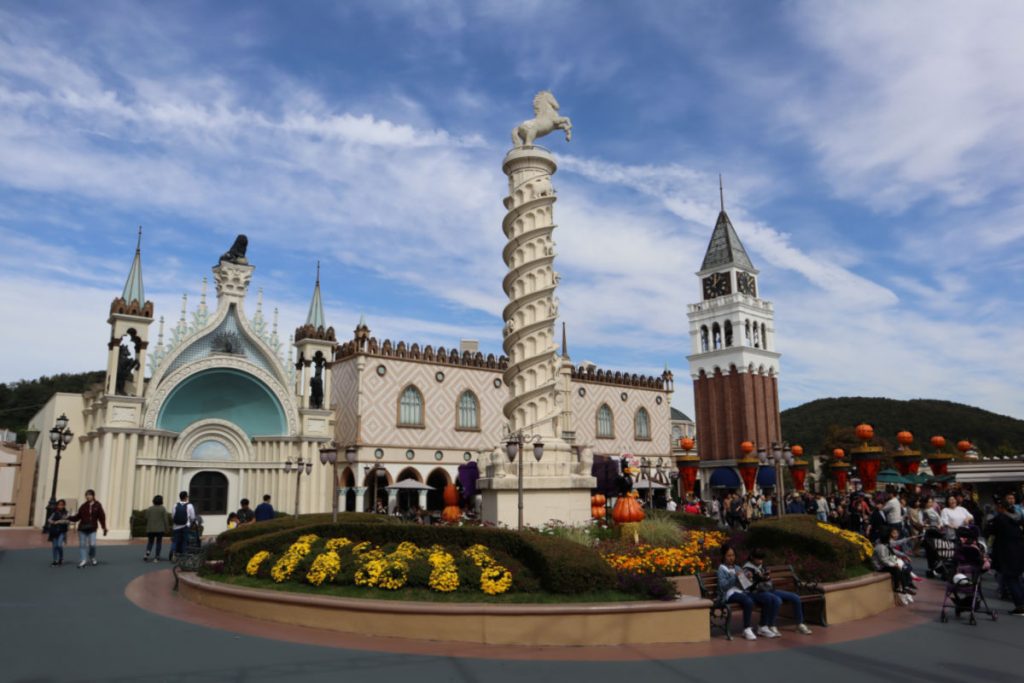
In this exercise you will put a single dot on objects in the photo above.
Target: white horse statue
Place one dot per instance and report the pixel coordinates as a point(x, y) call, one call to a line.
point(545, 120)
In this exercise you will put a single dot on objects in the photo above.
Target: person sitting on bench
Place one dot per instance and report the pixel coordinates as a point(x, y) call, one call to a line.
point(761, 576)
point(733, 583)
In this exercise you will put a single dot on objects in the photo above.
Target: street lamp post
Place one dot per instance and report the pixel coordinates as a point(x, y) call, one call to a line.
point(330, 455)
point(779, 455)
point(300, 467)
point(514, 448)
point(60, 438)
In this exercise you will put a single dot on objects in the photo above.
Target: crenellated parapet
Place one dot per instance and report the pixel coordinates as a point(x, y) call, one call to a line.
point(320, 332)
point(371, 346)
point(588, 373)
point(134, 307)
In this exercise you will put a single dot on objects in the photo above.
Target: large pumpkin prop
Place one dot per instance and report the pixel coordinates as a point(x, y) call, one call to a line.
point(597, 509)
point(452, 512)
point(627, 509)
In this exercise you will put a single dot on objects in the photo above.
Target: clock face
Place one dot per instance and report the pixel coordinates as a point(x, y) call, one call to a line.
point(717, 284)
point(746, 284)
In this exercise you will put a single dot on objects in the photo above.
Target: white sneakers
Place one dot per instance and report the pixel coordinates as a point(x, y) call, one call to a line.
point(748, 633)
point(94, 562)
point(773, 631)
point(81, 564)
point(904, 599)
point(802, 628)
point(767, 632)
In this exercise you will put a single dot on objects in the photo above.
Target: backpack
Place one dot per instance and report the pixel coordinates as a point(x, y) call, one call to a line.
point(180, 514)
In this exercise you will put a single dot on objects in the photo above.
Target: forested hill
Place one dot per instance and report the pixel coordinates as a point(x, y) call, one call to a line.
point(829, 422)
point(19, 401)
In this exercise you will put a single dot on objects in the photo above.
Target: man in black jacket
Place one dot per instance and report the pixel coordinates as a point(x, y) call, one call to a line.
point(1008, 553)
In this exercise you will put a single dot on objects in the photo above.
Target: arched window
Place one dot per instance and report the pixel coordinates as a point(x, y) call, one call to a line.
point(703, 337)
point(764, 336)
point(410, 408)
point(642, 423)
point(605, 423)
point(757, 336)
point(468, 411)
point(748, 332)
point(728, 333)
point(716, 336)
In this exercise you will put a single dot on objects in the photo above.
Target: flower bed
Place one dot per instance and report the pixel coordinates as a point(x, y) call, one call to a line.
point(695, 555)
point(442, 559)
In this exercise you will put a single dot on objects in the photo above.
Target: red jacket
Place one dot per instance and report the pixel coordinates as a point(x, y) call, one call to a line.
point(90, 516)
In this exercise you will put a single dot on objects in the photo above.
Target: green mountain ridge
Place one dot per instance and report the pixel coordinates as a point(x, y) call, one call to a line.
point(827, 423)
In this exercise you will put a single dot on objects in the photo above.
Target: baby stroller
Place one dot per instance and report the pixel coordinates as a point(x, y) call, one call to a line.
point(963, 588)
point(939, 550)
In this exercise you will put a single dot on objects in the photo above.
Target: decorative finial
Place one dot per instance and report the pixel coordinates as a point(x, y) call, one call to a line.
point(565, 346)
point(138, 244)
point(318, 272)
point(160, 334)
point(275, 320)
point(184, 305)
point(721, 192)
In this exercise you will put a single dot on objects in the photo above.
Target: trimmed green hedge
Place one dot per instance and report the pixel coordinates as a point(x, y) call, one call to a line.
point(561, 566)
point(802, 536)
point(694, 522)
point(283, 522)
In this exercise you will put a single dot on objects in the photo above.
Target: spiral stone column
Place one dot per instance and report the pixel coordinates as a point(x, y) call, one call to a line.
point(556, 487)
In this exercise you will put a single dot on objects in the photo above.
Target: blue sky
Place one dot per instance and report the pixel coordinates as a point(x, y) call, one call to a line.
point(872, 155)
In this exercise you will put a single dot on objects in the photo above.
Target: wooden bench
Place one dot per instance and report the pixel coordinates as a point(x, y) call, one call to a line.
point(784, 578)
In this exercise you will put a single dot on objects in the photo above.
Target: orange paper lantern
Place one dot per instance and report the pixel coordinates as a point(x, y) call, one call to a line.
point(963, 445)
point(838, 453)
point(904, 438)
point(747, 447)
point(686, 443)
point(938, 442)
point(797, 450)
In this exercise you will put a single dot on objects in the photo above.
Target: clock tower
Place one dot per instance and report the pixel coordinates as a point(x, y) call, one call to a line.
point(733, 361)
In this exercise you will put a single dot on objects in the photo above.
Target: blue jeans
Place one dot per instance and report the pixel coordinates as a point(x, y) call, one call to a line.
point(794, 599)
point(158, 538)
point(86, 545)
point(180, 541)
point(58, 546)
point(770, 603)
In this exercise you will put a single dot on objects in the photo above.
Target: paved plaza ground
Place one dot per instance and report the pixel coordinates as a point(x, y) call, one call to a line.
point(66, 624)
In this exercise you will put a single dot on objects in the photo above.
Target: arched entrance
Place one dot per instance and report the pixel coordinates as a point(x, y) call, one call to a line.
point(376, 482)
point(407, 500)
point(438, 479)
point(208, 493)
point(348, 483)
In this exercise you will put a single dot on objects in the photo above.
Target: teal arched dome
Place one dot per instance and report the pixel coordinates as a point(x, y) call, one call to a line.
point(224, 394)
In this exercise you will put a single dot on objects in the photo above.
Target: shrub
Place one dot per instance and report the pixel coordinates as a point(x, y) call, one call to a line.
point(653, 586)
point(690, 522)
point(810, 548)
point(560, 566)
point(660, 532)
point(283, 522)
point(577, 534)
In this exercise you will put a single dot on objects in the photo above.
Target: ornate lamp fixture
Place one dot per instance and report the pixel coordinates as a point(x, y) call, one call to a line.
point(906, 459)
point(798, 467)
point(939, 461)
point(747, 465)
point(687, 465)
point(866, 457)
point(840, 468)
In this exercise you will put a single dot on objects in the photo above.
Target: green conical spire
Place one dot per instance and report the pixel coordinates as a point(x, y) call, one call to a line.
point(316, 306)
point(133, 286)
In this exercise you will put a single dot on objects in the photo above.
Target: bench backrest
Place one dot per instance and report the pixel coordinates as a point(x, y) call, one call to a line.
point(782, 575)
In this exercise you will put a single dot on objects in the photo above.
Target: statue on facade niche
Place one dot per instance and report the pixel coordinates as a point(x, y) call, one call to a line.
point(126, 365)
point(316, 386)
point(236, 254)
point(545, 120)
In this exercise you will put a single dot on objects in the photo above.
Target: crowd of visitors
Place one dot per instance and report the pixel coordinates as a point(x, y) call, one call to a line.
point(897, 522)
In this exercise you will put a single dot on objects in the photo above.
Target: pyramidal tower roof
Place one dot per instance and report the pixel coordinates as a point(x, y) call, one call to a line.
point(133, 285)
point(725, 248)
point(315, 317)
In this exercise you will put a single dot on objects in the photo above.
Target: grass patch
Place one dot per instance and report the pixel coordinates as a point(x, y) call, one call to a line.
point(424, 595)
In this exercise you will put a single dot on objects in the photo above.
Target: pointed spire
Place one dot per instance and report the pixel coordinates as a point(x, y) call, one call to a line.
point(133, 285)
point(315, 317)
point(565, 346)
point(725, 248)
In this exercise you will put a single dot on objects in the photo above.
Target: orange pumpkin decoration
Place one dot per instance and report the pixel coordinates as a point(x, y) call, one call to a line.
point(627, 509)
point(452, 512)
point(939, 442)
point(797, 450)
point(597, 499)
point(838, 453)
point(451, 495)
point(597, 511)
point(963, 445)
point(904, 438)
point(865, 432)
point(747, 447)
point(687, 443)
